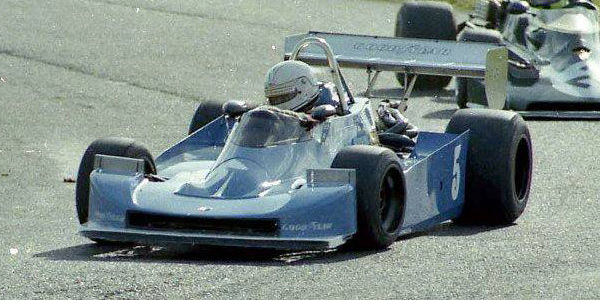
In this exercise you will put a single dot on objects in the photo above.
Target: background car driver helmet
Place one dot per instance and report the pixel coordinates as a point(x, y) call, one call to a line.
point(291, 85)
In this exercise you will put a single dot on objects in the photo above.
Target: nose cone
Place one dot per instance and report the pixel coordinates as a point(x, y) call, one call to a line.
point(232, 179)
point(579, 79)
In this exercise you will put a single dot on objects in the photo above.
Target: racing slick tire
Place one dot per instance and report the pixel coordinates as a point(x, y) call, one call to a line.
point(499, 165)
point(206, 112)
point(380, 194)
point(426, 20)
point(123, 147)
point(473, 90)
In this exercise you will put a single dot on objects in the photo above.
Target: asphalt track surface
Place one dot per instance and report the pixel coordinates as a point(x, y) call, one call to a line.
point(74, 71)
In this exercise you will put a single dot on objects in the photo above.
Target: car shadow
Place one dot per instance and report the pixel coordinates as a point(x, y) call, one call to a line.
point(203, 255)
point(199, 255)
point(562, 119)
point(452, 229)
point(441, 114)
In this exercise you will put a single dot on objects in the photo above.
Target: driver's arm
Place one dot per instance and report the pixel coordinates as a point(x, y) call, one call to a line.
point(305, 120)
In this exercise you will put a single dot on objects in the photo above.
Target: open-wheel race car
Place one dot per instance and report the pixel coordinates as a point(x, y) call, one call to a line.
point(264, 177)
point(554, 53)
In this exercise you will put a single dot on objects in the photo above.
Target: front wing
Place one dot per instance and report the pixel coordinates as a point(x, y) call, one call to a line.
point(127, 207)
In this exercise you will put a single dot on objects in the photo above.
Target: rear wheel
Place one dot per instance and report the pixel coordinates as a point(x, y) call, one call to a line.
point(499, 165)
point(426, 20)
point(206, 112)
point(380, 194)
point(109, 146)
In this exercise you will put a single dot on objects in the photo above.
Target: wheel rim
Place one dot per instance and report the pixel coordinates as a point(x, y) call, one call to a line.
point(391, 202)
point(522, 176)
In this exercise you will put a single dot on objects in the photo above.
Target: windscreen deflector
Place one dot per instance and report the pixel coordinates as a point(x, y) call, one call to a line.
point(266, 126)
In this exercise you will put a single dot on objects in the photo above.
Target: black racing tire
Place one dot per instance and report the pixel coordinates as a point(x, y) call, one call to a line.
point(380, 194)
point(109, 146)
point(499, 165)
point(206, 112)
point(426, 20)
point(473, 90)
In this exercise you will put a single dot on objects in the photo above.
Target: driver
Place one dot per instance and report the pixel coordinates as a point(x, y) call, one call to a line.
point(292, 85)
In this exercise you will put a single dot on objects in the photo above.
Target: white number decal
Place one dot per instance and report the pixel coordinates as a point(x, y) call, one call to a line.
point(456, 173)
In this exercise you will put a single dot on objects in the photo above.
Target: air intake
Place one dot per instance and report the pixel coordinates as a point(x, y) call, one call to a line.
point(232, 226)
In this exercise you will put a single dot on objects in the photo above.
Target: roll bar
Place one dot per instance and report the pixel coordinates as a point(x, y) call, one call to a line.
point(332, 62)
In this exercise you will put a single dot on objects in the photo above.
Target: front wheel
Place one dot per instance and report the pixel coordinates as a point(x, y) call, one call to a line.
point(123, 147)
point(380, 194)
point(499, 165)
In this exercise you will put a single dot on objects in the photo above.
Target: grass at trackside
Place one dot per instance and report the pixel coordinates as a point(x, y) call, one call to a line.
point(460, 4)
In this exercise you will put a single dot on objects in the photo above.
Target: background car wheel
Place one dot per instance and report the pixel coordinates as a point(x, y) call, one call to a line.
point(206, 112)
point(426, 20)
point(499, 165)
point(109, 146)
point(473, 90)
point(380, 194)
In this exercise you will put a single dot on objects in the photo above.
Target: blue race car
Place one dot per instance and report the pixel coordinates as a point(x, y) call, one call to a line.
point(262, 177)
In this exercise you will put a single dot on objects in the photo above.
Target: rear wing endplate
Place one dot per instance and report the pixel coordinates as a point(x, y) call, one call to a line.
point(414, 56)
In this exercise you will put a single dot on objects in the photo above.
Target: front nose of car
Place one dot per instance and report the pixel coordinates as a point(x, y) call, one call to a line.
point(584, 73)
point(581, 76)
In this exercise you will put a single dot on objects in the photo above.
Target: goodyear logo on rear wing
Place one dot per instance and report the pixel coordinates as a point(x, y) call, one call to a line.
point(400, 49)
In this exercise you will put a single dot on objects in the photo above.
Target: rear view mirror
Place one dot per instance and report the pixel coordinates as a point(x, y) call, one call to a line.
point(235, 108)
point(536, 37)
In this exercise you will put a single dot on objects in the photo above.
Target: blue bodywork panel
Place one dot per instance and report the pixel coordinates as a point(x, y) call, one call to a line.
point(228, 185)
point(435, 180)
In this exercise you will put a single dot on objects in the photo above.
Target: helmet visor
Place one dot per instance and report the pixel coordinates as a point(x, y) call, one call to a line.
point(279, 99)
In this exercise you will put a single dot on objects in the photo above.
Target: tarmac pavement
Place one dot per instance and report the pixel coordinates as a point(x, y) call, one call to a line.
point(74, 71)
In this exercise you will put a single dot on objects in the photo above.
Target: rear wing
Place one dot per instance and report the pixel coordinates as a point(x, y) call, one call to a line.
point(412, 57)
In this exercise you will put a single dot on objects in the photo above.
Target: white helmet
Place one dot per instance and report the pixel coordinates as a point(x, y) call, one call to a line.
point(291, 85)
